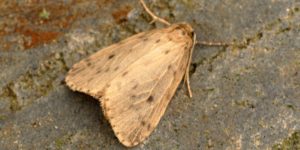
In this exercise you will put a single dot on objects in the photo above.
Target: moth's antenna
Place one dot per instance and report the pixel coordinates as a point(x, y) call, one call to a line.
point(217, 43)
point(154, 17)
point(212, 43)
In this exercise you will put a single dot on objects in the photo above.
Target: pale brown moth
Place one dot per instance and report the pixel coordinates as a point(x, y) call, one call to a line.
point(136, 78)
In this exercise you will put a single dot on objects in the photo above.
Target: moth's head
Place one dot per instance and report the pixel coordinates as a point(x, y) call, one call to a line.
point(185, 29)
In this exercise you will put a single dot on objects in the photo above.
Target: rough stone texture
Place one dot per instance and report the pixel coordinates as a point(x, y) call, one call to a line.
point(246, 96)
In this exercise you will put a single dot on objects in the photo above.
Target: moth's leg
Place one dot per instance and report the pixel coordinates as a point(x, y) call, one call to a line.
point(187, 82)
point(154, 17)
point(187, 75)
point(187, 71)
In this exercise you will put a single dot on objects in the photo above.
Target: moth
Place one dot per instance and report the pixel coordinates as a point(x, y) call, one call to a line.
point(135, 79)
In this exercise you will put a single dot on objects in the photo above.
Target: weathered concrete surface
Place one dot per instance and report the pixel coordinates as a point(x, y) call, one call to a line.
point(245, 97)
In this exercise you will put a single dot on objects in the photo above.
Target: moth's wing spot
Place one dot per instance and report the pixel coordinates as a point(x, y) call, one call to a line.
point(111, 56)
point(150, 99)
point(145, 39)
point(135, 86)
point(88, 62)
point(99, 71)
point(148, 126)
point(157, 41)
point(169, 67)
point(133, 96)
point(107, 69)
point(116, 68)
point(167, 51)
point(125, 73)
point(143, 123)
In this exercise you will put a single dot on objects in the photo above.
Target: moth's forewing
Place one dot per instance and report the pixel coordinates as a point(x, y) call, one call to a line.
point(93, 73)
point(136, 79)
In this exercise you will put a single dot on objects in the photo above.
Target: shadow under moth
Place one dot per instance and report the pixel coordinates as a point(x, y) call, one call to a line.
point(135, 79)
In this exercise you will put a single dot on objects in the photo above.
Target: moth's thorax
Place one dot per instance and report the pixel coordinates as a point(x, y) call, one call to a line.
point(181, 31)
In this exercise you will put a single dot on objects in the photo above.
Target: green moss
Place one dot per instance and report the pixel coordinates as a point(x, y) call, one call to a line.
point(2, 117)
point(59, 143)
point(44, 14)
point(290, 143)
point(11, 95)
point(290, 106)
